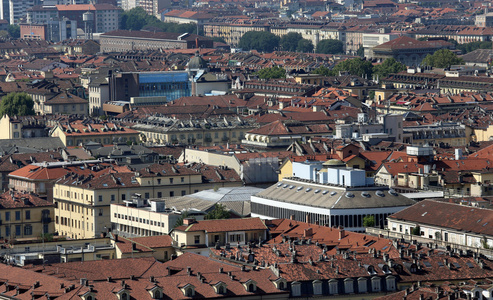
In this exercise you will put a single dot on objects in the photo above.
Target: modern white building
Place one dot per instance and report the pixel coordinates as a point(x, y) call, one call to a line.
point(386, 126)
point(338, 196)
point(144, 217)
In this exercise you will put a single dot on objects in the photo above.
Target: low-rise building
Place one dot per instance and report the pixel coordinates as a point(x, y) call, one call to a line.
point(146, 217)
point(25, 215)
point(123, 40)
point(283, 133)
point(338, 196)
point(213, 130)
point(22, 127)
point(37, 251)
point(457, 224)
point(79, 132)
point(160, 247)
point(408, 50)
point(197, 236)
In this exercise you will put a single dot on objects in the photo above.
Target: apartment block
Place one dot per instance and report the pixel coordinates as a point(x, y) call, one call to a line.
point(24, 216)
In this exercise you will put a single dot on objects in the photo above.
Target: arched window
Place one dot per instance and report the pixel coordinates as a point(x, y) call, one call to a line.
point(89, 298)
point(251, 288)
point(124, 296)
point(221, 290)
point(157, 295)
point(281, 285)
point(477, 295)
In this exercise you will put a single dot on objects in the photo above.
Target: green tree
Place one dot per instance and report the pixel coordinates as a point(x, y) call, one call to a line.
point(17, 104)
point(330, 47)
point(416, 230)
point(361, 51)
point(179, 222)
point(134, 19)
point(323, 70)
point(469, 47)
point(219, 212)
point(219, 39)
point(269, 73)
point(389, 66)
point(443, 58)
point(304, 46)
point(138, 19)
point(368, 221)
point(14, 31)
point(289, 42)
point(355, 66)
point(262, 41)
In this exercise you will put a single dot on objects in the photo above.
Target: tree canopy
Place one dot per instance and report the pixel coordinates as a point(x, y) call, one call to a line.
point(323, 70)
point(355, 66)
point(368, 221)
point(274, 72)
point(14, 31)
point(443, 58)
point(219, 212)
point(138, 19)
point(330, 47)
point(389, 66)
point(304, 46)
point(289, 42)
point(17, 104)
point(262, 41)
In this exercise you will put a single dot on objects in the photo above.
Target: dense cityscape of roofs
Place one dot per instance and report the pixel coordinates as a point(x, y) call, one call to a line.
point(246, 149)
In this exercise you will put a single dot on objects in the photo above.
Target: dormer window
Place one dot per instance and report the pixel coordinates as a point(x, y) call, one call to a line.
point(220, 288)
point(88, 296)
point(375, 284)
point(317, 287)
point(156, 292)
point(250, 286)
point(371, 270)
point(188, 290)
point(280, 283)
point(295, 289)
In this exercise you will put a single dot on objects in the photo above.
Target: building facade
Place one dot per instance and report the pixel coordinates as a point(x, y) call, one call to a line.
point(24, 215)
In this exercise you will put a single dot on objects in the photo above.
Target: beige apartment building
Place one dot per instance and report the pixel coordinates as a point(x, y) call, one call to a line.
point(83, 204)
point(232, 31)
point(24, 216)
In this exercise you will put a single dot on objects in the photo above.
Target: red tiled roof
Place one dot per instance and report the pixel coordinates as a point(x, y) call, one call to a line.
point(211, 226)
point(449, 215)
point(20, 200)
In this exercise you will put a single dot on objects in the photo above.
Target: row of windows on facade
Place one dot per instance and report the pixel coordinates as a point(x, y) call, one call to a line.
point(17, 215)
point(349, 286)
point(322, 219)
point(74, 208)
point(57, 108)
point(191, 136)
point(136, 230)
point(109, 140)
point(139, 220)
point(17, 230)
point(74, 223)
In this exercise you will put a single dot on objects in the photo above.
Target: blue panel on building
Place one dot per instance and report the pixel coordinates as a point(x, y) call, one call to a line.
point(173, 85)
